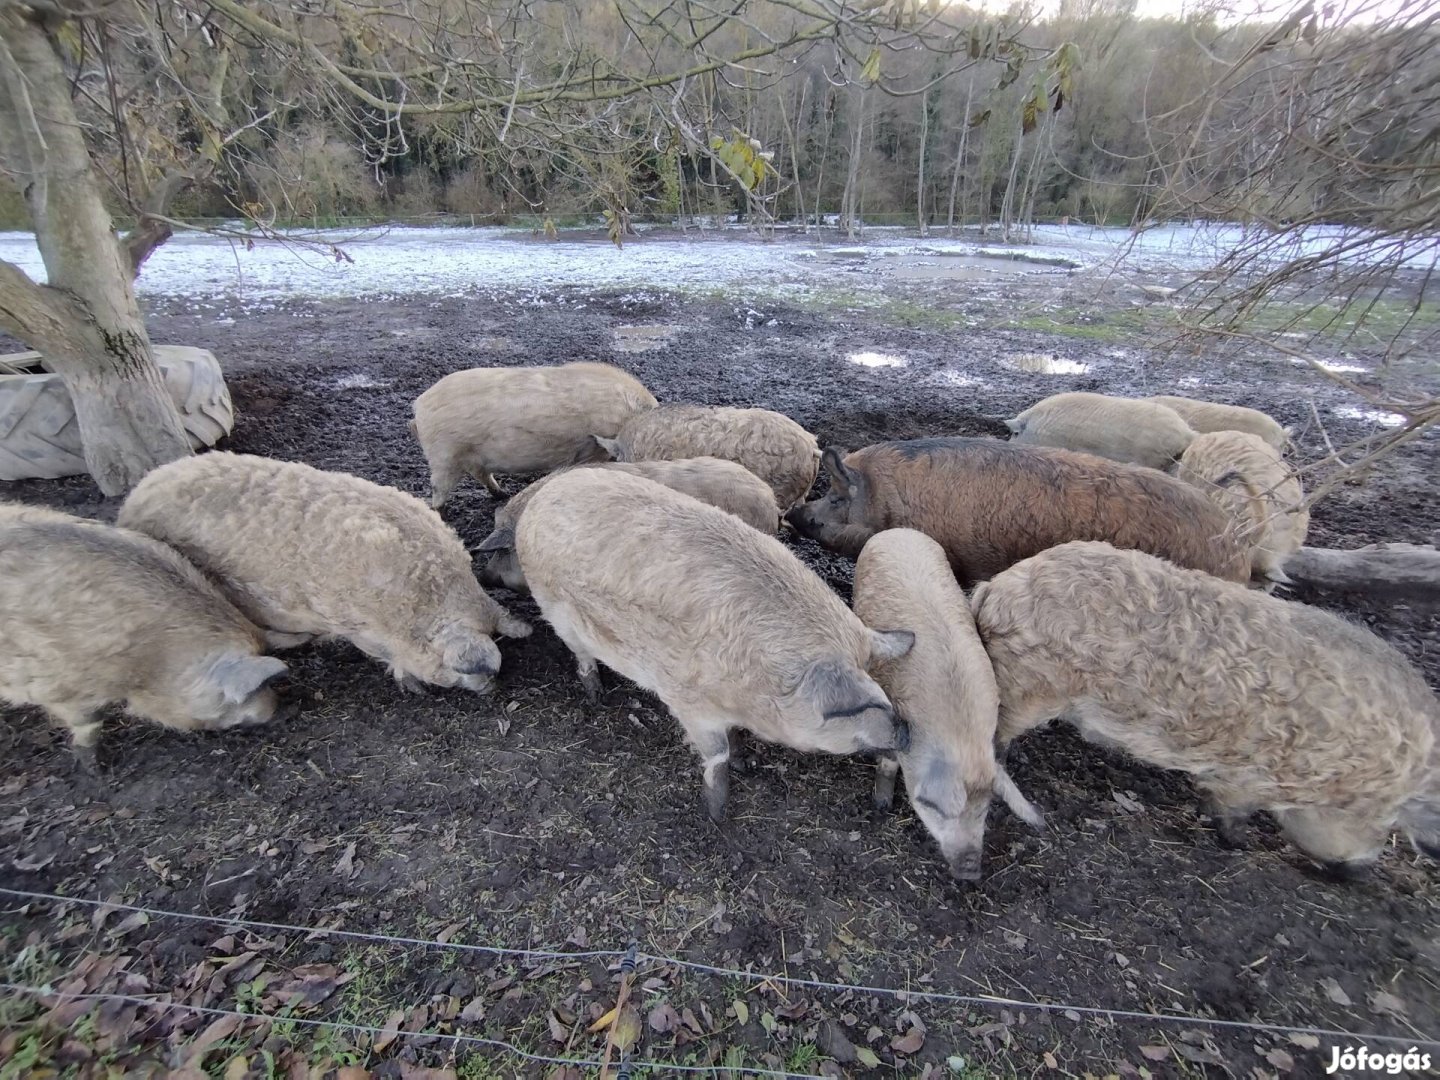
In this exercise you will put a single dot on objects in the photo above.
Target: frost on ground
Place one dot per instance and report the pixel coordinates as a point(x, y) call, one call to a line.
point(1375, 416)
point(402, 261)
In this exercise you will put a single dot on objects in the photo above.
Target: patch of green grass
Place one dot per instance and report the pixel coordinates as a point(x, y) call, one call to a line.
point(1383, 318)
point(1093, 326)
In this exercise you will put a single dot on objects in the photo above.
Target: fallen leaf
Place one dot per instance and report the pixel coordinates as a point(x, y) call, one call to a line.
point(1334, 991)
point(627, 1028)
point(564, 1072)
point(1122, 960)
point(238, 1067)
point(28, 866)
point(133, 921)
point(345, 865)
point(664, 1018)
point(796, 1010)
point(220, 1029)
point(832, 1042)
point(910, 1042)
point(867, 1057)
point(578, 938)
point(605, 1021)
point(1155, 1053)
point(1280, 1059)
point(473, 1012)
point(1381, 1001)
point(557, 1029)
point(687, 1017)
point(389, 1031)
point(420, 1072)
point(352, 1072)
point(450, 931)
point(1126, 802)
point(1305, 1042)
point(767, 1021)
point(742, 1011)
point(1050, 1061)
point(1201, 1055)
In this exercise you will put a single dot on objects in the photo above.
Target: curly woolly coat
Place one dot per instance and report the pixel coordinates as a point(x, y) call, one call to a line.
point(1268, 704)
point(773, 447)
point(305, 552)
point(1250, 481)
point(92, 615)
point(1121, 429)
point(520, 420)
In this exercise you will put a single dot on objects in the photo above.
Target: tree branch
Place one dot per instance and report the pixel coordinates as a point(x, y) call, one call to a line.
point(36, 314)
point(153, 229)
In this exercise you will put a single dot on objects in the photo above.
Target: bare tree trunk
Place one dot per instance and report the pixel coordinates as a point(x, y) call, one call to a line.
point(1007, 203)
point(1408, 572)
point(920, 171)
point(820, 172)
point(850, 200)
point(960, 161)
point(85, 320)
point(790, 135)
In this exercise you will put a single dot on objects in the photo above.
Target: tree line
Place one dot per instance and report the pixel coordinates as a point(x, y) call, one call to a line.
point(257, 114)
point(940, 116)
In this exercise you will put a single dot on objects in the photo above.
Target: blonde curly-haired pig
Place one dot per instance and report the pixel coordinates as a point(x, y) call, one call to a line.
point(724, 624)
point(308, 553)
point(93, 615)
point(1121, 429)
point(520, 420)
point(1207, 416)
point(733, 488)
point(1268, 704)
point(772, 446)
point(943, 688)
point(1247, 478)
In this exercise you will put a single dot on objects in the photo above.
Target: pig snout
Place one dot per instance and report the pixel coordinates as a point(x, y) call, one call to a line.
point(901, 734)
point(965, 865)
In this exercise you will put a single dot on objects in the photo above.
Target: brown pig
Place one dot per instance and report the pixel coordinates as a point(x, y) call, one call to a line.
point(990, 504)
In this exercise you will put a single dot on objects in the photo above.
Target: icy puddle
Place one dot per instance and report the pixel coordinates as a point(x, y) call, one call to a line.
point(637, 339)
point(1044, 364)
point(876, 359)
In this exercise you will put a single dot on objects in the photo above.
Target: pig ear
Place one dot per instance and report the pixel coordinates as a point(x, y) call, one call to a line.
point(502, 538)
point(1020, 806)
point(842, 478)
point(609, 448)
point(890, 644)
point(1016, 425)
point(238, 676)
point(469, 653)
point(840, 690)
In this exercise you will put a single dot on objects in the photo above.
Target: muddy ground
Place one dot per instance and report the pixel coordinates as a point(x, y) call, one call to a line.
point(524, 820)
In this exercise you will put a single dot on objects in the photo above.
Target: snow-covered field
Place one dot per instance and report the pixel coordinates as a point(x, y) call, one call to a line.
point(456, 261)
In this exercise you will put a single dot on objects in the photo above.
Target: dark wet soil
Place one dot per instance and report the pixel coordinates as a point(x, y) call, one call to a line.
point(532, 822)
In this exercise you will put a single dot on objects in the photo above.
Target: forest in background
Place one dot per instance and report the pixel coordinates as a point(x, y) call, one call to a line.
point(968, 117)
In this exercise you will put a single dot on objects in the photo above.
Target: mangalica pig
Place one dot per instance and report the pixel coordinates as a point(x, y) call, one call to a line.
point(773, 447)
point(944, 690)
point(92, 615)
point(308, 553)
point(1267, 704)
point(733, 488)
point(1121, 429)
point(520, 420)
point(992, 503)
point(1248, 479)
point(1207, 416)
point(721, 622)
